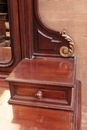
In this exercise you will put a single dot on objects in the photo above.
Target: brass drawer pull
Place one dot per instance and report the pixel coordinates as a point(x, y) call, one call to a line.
point(39, 95)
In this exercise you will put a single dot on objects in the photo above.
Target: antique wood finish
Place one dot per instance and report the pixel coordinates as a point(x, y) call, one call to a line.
point(49, 42)
point(47, 83)
point(17, 117)
point(40, 39)
point(44, 79)
point(22, 117)
point(6, 68)
point(45, 70)
point(42, 96)
point(28, 33)
point(53, 77)
point(26, 27)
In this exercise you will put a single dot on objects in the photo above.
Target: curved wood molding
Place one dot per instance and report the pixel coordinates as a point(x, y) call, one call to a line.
point(67, 51)
point(6, 68)
point(49, 42)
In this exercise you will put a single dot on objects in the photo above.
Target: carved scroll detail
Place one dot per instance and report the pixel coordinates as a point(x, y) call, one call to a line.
point(64, 50)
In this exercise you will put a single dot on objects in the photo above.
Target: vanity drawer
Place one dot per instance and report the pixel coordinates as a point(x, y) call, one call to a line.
point(42, 95)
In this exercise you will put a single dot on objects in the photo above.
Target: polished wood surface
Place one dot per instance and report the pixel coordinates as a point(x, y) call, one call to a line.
point(43, 78)
point(16, 117)
point(53, 77)
point(45, 70)
point(47, 82)
point(13, 13)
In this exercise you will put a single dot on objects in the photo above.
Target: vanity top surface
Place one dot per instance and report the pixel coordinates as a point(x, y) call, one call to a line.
point(45, 70)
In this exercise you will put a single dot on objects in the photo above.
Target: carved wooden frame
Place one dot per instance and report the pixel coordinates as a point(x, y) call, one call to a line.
point(35, 35)
point(47, 41)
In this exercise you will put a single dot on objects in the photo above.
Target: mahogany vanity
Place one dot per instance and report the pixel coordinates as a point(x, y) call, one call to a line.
point(45, 77)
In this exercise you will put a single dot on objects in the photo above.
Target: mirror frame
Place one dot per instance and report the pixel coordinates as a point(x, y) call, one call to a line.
point(13, 14)
point(49, 42)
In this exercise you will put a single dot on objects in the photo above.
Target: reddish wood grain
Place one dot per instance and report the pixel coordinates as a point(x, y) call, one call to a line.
point(43, 70)
point(16, 117)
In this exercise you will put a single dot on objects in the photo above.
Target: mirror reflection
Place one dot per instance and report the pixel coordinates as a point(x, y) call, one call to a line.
point(5, 45)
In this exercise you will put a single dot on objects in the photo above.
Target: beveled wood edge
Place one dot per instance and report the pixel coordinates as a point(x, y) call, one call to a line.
point(40, 105)
point(44, 82)
point(10, 80)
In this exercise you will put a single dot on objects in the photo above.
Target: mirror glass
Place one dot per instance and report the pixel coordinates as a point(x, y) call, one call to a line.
point(5, 45)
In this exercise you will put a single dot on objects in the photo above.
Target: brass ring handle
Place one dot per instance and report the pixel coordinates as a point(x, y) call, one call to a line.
point(39, 95)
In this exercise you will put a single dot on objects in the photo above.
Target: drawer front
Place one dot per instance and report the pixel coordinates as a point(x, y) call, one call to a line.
point(42, 94)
